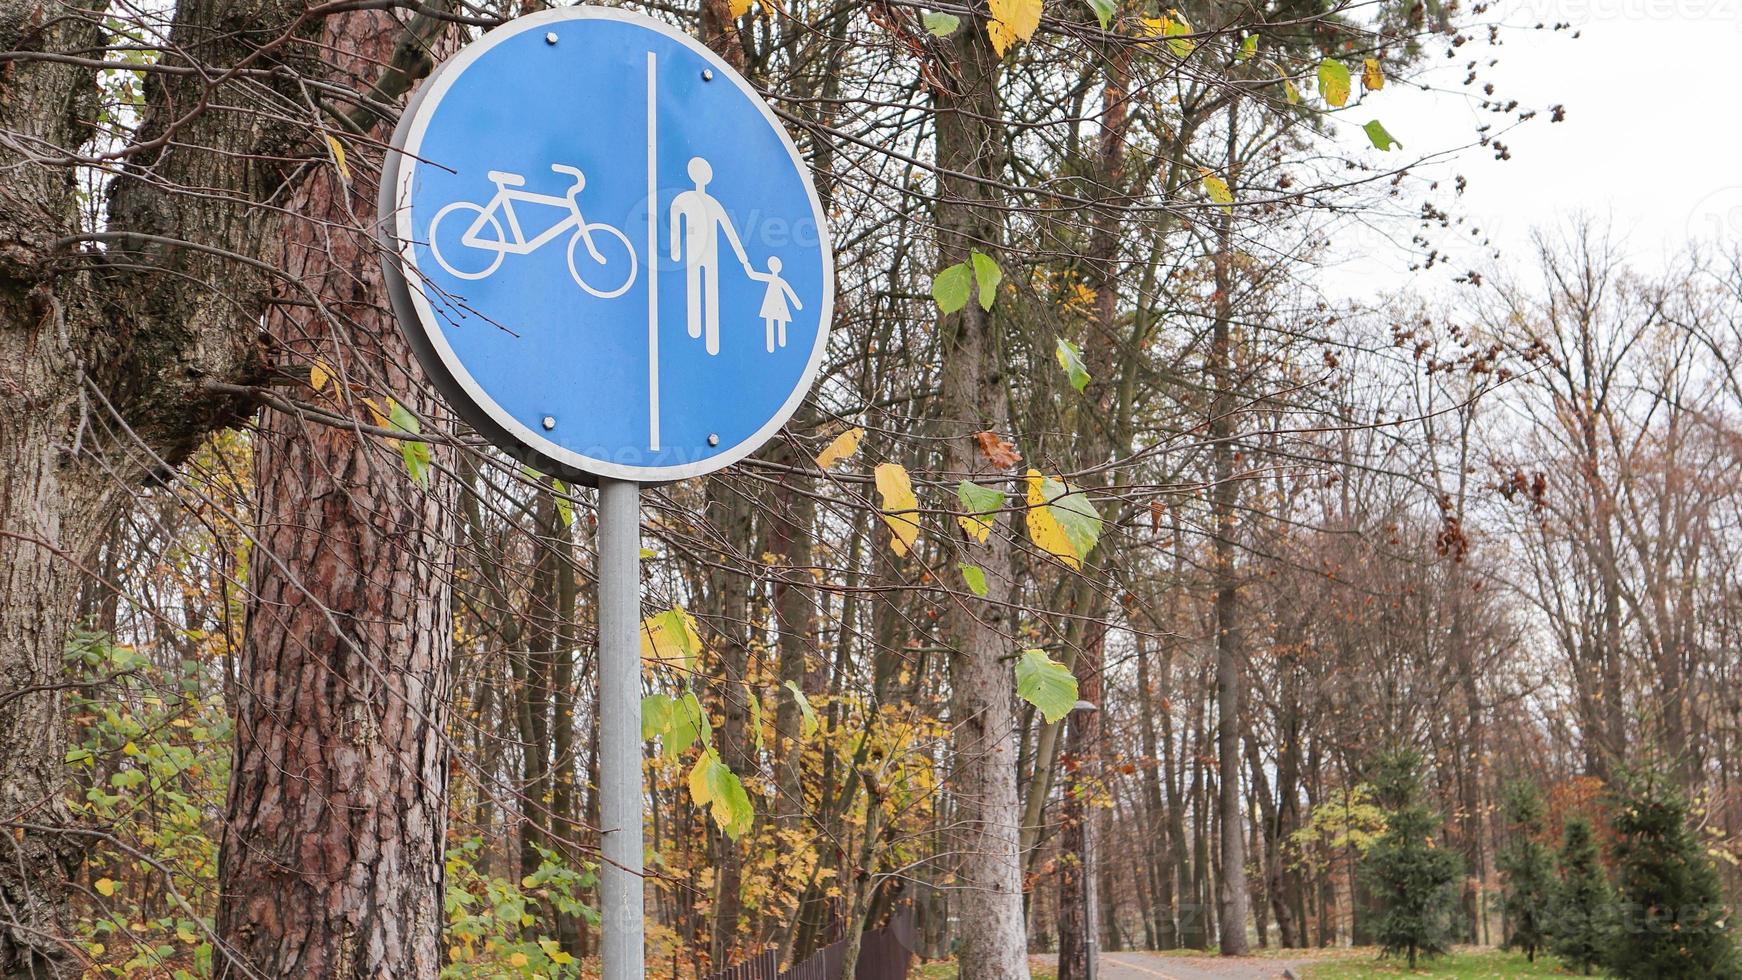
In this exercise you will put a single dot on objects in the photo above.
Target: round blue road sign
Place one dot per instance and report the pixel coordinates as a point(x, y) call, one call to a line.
point(606, 250)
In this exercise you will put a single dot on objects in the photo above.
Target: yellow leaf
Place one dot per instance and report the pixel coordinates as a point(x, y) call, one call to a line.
point(376, 413)
point(1043, 528)
point(844, 446)
point(105, 887)
point(186, 935)
point(671, 638)
point(1175, 28)
point(898, 502)
point(740, 7)
point(1372, 76)
point(1216, 188)
point(130, 749)
point(319, 375)
point(1012, 21)
point(518, 961)
point(338, 149)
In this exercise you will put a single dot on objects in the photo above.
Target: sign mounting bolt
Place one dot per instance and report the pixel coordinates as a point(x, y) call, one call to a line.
point(707, 74)
point(550, 38)
point(713, 439)
point(549, 422)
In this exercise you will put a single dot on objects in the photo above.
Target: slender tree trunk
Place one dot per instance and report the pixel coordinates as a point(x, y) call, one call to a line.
point(789, 539)
point(330, 864)
point(983, 738)
point(1076, 880)
point(730, 604)
point(1235, 905)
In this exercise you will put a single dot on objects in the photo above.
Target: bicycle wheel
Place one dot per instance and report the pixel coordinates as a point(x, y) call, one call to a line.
point(470, 254)
point(614, 252)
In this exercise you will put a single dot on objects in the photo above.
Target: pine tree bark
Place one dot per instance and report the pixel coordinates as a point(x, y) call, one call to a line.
point(330, 864)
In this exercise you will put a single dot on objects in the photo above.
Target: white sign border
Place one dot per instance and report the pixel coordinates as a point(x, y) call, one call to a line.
point(424, 328)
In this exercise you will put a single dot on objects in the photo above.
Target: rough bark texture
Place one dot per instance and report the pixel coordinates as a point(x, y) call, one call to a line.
point(1077, 880)
point(983, 737)
point(1236, 902)
point(49, 502)
point(331, 858)
point(105, 355)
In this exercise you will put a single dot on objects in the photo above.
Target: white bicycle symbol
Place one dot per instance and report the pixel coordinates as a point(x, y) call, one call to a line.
point(485, 238)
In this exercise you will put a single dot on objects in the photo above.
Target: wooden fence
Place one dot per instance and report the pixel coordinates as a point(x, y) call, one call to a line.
point(884, 954)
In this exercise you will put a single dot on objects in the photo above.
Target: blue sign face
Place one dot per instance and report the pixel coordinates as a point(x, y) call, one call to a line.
point(609, 253)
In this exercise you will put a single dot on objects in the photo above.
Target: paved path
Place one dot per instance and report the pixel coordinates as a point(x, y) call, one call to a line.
point(1148, 966)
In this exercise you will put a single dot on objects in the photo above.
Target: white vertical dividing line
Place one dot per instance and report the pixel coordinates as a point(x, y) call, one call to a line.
point(652, 255)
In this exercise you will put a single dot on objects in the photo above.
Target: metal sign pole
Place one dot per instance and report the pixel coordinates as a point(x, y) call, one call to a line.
point(621, 890)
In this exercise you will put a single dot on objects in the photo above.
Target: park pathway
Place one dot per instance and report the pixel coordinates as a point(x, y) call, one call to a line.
point(1151, 966)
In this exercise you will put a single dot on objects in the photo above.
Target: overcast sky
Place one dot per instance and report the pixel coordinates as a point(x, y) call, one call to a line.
point(1649, 142)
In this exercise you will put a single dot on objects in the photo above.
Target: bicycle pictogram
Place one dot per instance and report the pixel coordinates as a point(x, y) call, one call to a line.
point(495, 233)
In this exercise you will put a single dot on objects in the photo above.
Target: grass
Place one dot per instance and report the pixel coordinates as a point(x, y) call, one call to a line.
point(1343, 964)
point(1462, 964)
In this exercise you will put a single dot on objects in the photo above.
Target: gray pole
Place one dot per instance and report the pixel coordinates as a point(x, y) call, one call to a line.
point(621, 891)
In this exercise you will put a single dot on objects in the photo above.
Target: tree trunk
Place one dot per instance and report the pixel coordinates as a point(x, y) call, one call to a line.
point(51, 521)
point(105, 358)
point(983, 726)
point(1235, 905)
point(729, 605)
point(330, 863)
point(1076, 872)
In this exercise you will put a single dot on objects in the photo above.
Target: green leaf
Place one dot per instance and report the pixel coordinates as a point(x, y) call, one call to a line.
point(716, 787)
point(565, 508)
point(1248, 48)
point(1381, 139)
point(1045, 683)
point(1334, 81)
point(1104, 11)
point(1175, 28)
point(941, 24)
point(987, 276)
point(808, 723)
point(689, 724)
point(415, 452)
point(1070, 357)
point(975, 576)
point(950, 287)
point(656, 715)
point(980, 503)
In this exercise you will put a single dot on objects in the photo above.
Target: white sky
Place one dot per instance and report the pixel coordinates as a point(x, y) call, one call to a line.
point(1650, 143)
